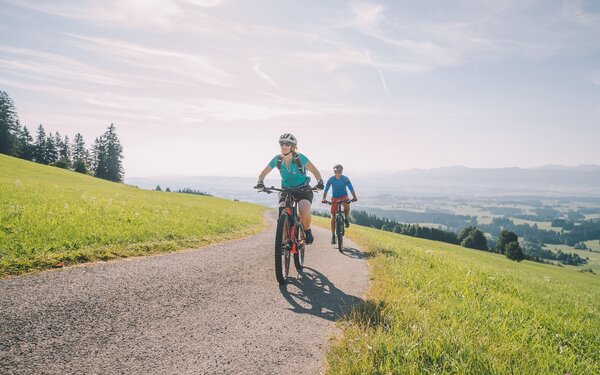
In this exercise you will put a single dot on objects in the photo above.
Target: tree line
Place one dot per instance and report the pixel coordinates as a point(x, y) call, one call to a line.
point(583, 231)
point(184, 191)
point(449, 220)
point(103, 159)
point(538, 253)
point(506, 243)
point(413, 230)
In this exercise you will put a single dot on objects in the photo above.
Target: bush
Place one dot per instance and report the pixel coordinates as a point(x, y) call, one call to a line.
point(475, 240)
point(513, 251)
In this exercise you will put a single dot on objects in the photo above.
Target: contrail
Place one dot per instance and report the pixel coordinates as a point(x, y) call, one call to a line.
point(383, 82)
point(262, 74)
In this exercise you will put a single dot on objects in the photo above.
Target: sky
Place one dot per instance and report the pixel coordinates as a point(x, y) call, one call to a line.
point(205, 87)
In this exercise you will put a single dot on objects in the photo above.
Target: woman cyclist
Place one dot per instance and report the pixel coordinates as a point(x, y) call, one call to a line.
point(292, 166)
point(339, 182)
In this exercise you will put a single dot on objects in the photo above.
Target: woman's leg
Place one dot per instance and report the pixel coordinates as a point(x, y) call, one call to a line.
point(305, 216)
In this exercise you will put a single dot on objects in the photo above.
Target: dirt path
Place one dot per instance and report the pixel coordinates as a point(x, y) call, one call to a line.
point(216, 310)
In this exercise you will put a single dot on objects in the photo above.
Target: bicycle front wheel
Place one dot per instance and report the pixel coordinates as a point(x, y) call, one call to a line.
point(282, 249)
point(339, 231)
point(299, 256)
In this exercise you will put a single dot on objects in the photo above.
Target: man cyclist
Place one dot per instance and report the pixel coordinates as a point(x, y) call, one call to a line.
point(292, 167)
point(339, 193)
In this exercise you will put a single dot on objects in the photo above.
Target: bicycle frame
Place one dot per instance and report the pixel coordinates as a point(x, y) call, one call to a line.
point(291, 209)
point(288, 242)
point(339, 222)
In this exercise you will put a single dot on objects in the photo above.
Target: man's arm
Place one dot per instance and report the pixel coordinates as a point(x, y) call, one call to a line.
point(354, 198)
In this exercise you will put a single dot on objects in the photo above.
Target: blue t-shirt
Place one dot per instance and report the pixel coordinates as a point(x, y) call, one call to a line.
point(339, 186)
point(292, 177)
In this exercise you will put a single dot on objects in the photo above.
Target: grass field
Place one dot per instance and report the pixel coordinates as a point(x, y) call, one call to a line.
point(593, 245)
point(50, 216)
point(437, 308)
point(593, 257)
point(545, 225)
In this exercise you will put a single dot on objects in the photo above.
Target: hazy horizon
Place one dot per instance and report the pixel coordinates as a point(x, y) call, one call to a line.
point(205, 87)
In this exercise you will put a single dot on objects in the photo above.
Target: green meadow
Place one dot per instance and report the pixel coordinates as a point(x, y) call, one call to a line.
point(50, 217)
point(435, 308)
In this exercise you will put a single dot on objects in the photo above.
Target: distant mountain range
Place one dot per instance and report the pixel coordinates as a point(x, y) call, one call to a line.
point(554, 180)
point(584, 179)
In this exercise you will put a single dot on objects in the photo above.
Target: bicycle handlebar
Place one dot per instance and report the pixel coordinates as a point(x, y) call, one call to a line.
point(271, 189)
point(346, 201)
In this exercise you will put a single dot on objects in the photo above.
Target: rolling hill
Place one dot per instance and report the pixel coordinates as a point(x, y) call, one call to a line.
point(53, 217)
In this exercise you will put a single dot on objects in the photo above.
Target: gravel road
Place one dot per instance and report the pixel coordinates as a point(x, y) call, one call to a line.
point(215, 310)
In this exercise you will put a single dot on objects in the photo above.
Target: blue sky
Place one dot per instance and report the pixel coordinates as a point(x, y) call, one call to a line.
point(204, 87)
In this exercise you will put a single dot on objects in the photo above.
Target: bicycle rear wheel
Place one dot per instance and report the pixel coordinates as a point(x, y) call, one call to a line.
point(299, 256)
point(282, 249)
point(339, 231)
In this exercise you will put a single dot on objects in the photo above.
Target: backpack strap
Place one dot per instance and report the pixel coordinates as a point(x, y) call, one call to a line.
point(296, 159)
point(299, 163)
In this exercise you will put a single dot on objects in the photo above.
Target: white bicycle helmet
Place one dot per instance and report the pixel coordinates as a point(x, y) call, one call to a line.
point(338, 167)
point(288, 137)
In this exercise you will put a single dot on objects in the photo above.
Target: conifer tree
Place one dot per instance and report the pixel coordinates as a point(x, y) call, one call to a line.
point(114, 155)
point(9, 125)
point(80, 154)
point(63, 152)
point(25, 146)
point(39, 148)
point(51, 151)
point(99, 158)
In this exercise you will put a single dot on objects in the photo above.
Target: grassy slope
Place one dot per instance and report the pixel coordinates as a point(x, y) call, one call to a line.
point(49, 215)
point(439, 308)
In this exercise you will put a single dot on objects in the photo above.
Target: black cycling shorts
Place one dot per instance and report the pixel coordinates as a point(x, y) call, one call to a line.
point(298, 196)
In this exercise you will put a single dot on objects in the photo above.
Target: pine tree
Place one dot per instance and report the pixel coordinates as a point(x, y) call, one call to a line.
point(9, 125)
point(25, 146)
point(63, 151)
point(99, 158)
point(51, 150)
point(80, 154)
point(114, 155)
point(39, 148)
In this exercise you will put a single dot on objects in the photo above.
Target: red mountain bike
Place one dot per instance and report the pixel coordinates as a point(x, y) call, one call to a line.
point(289, 238)
point(340, 229)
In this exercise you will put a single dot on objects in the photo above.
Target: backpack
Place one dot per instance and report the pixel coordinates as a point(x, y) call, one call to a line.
point(295, 159)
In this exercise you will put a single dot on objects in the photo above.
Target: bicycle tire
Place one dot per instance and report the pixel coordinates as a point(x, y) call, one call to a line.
point(282, 251)
point(339, 230)
point(299, 256)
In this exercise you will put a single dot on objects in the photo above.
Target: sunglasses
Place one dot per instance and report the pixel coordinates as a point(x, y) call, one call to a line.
point(285, 143)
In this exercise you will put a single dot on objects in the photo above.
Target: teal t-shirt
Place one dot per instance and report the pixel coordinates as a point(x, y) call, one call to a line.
point(292, 177)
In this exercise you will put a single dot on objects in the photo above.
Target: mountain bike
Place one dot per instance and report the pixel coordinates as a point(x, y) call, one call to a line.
point(340, 228)
point(289, 238)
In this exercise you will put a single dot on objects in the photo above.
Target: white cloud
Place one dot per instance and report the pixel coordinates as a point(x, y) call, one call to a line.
point(41, 65)
point(185, 65)
point(205, 3)
point(366, 14)
point(160, 13)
